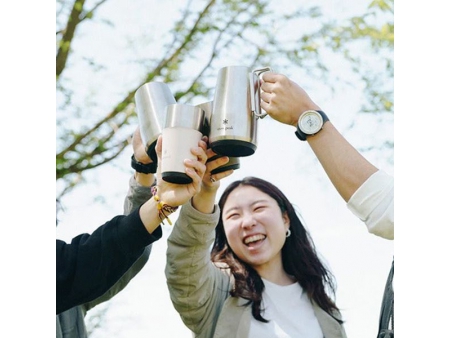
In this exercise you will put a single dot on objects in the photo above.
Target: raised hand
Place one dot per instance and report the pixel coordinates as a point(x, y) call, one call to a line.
point(204, 201)
point(139, 148)
point(178, 194)
point(283, 99)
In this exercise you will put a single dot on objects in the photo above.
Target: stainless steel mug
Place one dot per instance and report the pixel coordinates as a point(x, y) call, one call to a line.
point(234, 162)
point(151, 100)
point(182, 131)
point(236, 108)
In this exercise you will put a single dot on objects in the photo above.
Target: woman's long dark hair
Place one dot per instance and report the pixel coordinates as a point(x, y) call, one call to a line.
point(298, 255)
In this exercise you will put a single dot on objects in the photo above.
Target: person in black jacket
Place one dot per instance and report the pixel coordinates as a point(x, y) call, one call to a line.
point(88, 266)
point(91, 266)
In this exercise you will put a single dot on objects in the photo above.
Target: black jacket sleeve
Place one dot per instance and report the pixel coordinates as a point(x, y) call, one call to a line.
point(88, 266)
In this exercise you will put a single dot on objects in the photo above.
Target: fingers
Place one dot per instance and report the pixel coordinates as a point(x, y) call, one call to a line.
point(196, 168)
point(158, 147)
point(266, 106)
point(215, 161)
point(158, 150)
point(196, 171)
point(200, 152)
point(273, 82)
point(270, 77)
point(217, 177)
point(197, 176)
point(268, 87)
point(137, 134)
point(139, 148)
point(266, 97)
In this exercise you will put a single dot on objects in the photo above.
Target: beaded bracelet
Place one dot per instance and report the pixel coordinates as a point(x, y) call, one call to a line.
point(164, 210)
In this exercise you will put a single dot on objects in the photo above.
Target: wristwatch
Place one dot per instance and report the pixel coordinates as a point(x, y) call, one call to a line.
point(149, 168)
point(310, 123)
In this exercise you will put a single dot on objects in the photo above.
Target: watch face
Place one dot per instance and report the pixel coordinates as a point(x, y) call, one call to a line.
point(310, 122)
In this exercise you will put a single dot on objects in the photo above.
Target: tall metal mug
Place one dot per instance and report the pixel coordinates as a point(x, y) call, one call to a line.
point(236, 108)
point(151, 100)
point(233, 162)
point(182, 131)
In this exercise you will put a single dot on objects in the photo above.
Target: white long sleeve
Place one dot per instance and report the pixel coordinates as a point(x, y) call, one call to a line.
point(373, 203)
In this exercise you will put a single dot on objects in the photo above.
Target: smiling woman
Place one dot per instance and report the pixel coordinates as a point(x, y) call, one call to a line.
point(282, 254)
point(262, 273)
point(255, 227)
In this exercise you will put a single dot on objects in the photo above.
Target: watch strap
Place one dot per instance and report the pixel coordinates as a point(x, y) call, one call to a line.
point(149, 168)
point(301, 135)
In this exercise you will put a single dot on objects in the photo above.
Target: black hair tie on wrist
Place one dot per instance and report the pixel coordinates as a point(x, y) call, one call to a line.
point(149, 168)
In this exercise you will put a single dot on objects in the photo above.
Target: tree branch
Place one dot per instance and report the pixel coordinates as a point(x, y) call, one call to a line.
point(66, 40)
point(90, 13)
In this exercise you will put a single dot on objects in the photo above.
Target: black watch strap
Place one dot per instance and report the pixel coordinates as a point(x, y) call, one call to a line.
point(149, 168)
point(302, 136)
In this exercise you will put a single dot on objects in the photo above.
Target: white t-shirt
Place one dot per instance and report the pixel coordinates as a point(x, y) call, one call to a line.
point(289, 312)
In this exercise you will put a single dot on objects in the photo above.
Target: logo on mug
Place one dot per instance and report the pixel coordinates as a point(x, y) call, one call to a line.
point(225, 122)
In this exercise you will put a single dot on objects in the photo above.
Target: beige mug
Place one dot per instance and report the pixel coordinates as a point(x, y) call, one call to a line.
point(182, 131)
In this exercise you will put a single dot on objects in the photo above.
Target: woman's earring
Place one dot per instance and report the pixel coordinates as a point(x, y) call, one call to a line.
point(288, 233)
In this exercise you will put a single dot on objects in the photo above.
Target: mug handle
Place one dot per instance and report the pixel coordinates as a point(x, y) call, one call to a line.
point(256, 108)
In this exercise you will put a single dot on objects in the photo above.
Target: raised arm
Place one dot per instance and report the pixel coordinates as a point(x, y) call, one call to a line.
point(88, 266)
point(139, 191)
point(197, 287)
point(368, 191)
point(285, 101)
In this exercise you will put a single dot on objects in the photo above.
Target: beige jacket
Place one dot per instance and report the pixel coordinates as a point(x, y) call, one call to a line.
point(200, 290)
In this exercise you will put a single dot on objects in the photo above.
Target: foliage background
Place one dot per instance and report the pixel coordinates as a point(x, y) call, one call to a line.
point(341, 52)
point(103, 58)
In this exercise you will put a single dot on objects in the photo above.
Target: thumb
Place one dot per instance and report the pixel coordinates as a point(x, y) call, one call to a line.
point(269, 77)
point(158, 147)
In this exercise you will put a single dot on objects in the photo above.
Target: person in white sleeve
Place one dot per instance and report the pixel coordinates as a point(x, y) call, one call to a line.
point(368, 191)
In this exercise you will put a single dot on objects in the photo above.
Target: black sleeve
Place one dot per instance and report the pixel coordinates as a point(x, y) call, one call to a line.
point(88, 266)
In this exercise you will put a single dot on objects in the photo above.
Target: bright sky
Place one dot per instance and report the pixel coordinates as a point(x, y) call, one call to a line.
point(359, 261)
